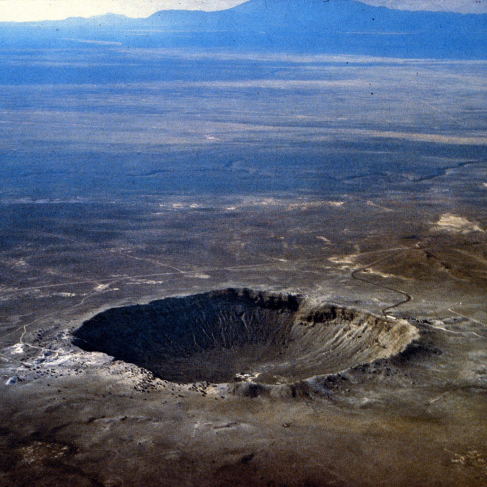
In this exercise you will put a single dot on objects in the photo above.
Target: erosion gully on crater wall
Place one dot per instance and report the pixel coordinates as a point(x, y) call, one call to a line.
point(243, 335)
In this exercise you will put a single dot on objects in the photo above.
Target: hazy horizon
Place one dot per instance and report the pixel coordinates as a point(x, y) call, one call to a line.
point(43, 10)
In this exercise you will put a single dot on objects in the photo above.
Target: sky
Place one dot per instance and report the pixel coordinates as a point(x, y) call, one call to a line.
point(33, 10)
point(462, 6)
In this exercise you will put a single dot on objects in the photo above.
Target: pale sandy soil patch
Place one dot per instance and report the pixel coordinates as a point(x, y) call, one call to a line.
point(455, 223)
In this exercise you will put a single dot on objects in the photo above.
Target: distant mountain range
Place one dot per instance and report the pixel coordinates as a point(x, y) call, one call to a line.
point(314, 26)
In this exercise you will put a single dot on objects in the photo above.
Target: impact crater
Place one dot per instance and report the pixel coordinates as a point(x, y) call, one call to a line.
point(243, 335)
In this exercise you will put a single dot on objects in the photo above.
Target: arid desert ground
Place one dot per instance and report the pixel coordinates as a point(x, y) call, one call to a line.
point(321, 192)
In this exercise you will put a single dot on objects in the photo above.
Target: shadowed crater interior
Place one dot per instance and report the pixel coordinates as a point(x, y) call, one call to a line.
point(240, 334)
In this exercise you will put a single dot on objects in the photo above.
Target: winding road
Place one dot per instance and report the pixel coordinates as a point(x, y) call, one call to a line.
point(407, 297)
